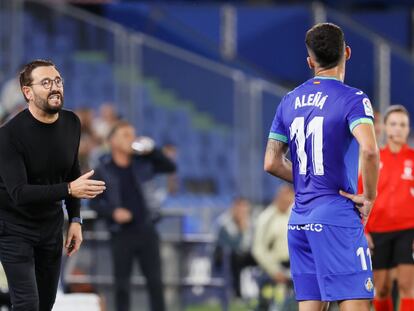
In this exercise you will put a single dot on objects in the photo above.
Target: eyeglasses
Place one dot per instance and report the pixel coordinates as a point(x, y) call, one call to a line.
point(48, 83)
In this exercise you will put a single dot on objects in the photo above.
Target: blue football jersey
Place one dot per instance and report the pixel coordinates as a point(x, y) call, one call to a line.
point(316, 120)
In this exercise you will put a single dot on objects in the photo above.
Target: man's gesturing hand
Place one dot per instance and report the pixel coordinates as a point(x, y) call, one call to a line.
point(85, 188)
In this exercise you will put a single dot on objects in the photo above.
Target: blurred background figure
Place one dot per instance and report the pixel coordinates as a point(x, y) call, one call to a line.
point(171, 151)
point(270, 248)
point(90, 141)
point(234, 238)
point(390, 227)
point(132, 162)
point(5, 302)
point(106, 119)
point(11, 99)
point(162, 186)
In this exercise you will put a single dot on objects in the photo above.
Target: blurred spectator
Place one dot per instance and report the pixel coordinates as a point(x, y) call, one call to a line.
point(235, 236)
point(5, 303)
point(105, 121)
point(390, 226)
point(270, 247)
point(89, 140)
point(170, 150)
point(161, 187)
point(11, 99)
point(133, 235)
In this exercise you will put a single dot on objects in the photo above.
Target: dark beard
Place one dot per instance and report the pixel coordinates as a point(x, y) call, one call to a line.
point(43, 104)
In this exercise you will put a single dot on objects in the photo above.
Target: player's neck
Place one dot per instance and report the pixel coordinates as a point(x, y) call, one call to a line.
point(394, 148)
point(335, 72)
point(41, 115)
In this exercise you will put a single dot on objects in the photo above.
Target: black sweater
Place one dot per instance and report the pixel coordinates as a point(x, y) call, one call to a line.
point(37, 160)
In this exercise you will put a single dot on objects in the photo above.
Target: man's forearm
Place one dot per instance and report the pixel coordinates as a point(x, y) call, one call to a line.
point(162, 164)
point(370, 167)
point(365, 135)
point(282, 170)
point(27, 194)
point(73, 207)
point(276, 162)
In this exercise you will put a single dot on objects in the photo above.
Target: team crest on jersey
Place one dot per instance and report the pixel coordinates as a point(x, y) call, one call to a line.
point(368, 107)
point(408, 170)
point(369, 285)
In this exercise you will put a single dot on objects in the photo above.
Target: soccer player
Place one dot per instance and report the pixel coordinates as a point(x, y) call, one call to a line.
point(390, 228)
point(324, 122)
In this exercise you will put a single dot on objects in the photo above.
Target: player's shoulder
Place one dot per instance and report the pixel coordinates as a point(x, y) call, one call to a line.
point(297, 89)
point(351, 92)
point(408, 155)
point(354, 97)
point(292, 94)
point(410, 151)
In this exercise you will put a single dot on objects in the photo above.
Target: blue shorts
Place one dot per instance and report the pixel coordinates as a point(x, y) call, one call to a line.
point(330, 263)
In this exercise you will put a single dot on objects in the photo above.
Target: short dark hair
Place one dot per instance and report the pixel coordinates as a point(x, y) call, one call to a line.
point(326, 41)
point(395, 108)
point(25, 76)
point(116, 127)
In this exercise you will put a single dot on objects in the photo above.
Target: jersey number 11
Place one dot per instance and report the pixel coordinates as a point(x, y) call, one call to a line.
point(315, 131)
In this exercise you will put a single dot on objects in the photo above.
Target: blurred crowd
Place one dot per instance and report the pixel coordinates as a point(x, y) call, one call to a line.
point(251, 243)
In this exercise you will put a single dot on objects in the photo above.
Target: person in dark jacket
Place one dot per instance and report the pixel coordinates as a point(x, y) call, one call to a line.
point(133, 161)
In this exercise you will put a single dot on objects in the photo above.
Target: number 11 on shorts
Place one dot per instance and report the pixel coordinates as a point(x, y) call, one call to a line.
point(361, 254)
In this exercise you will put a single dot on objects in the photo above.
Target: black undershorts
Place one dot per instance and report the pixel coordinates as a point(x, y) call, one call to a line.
point(392, 249)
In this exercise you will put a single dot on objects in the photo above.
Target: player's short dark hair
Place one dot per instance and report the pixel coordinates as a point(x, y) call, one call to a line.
point(25, 76)
point(395, 108)
point(326, 41)
point(117, 126)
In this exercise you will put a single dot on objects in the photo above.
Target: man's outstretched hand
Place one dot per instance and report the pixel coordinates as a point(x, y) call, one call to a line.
point(86, 188)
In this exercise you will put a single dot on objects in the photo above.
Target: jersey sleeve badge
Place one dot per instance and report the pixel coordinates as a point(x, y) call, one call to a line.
point(368, 107)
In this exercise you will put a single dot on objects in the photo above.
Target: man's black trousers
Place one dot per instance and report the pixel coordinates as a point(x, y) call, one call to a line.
point(143, 246)
point(31, 257)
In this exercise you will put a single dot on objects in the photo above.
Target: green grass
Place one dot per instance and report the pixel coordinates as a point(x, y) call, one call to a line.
point(234, 306)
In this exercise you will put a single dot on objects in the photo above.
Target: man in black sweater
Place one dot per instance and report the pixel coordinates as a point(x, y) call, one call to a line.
point(38, 169)
point(133, 234)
